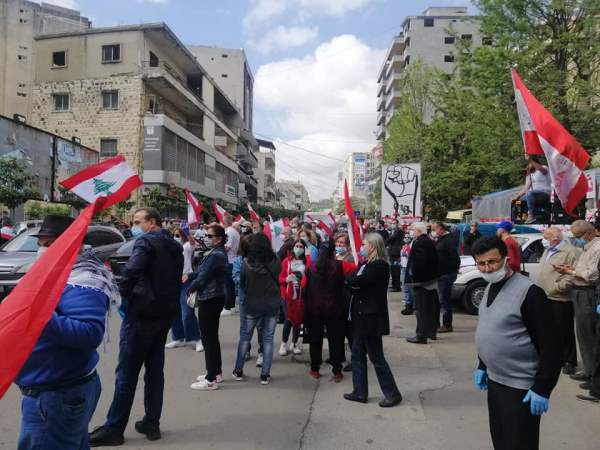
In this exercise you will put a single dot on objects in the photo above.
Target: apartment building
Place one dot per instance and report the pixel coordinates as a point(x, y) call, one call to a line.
point(426, 37)
point(292, 195)
point(20, 22)
point(138, 91)
point(231, 71)
point(265, 173)
point(359, 169)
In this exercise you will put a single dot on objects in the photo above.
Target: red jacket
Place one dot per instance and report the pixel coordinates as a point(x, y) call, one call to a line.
point(287, 289)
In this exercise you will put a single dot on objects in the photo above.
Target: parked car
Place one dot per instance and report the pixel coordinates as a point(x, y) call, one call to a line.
point(470, 286)
point(22, 226)
point(18, 255)
point(486, 229)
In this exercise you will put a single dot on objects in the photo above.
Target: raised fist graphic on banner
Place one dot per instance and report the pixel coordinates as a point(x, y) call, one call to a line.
point(402, 183)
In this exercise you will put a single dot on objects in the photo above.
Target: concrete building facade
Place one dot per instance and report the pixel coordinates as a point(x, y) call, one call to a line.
point(426, 37)
point(137, 90)
point(20, 22)
point(359, 169)
point(292, 195)
point(265, 173)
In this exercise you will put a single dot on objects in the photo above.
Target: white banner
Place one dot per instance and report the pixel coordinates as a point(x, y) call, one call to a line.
point(401, 190)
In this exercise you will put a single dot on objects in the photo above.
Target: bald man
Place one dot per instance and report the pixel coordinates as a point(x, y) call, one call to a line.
point(559, 289)
point(584, 278)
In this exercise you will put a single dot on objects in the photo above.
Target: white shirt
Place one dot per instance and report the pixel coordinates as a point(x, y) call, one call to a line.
point(233, 242)
point(540, 181)
point(188, 257)
point(200, 234)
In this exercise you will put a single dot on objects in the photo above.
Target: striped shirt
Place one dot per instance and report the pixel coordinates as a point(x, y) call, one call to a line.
point(587, 266)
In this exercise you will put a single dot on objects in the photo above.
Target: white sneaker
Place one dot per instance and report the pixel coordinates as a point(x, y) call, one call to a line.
point(205, 385)
point(199, 346)
point(295, 348)
point(226, 312)
point(283, 350)
point(203, 377)
point(259, 360)
point(175, 344)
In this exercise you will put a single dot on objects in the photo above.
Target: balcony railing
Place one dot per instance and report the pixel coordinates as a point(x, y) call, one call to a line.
point(149, 65)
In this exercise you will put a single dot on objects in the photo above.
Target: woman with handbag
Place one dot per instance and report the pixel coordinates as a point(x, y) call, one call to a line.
point(325, 309)
point(259, 280)
point(207, 285)
point(292, 283)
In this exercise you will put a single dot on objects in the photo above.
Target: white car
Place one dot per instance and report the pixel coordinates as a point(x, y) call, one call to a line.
point(470, 285)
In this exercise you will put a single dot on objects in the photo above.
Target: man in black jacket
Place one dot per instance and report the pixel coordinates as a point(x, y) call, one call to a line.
point(288, 243)
point(421, 275)
point(469, 238)
point(448, 267)
point(150, 288)
point(394, 244)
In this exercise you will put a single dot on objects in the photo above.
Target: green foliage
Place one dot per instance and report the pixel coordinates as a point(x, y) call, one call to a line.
point(357, 203)
point(472, 144)
point(68, 198)
point(16, 185)
point(37, 211)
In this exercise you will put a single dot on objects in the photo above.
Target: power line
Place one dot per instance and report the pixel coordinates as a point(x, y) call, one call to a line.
point(314, 112)
point(324, 183)
point(295, 146)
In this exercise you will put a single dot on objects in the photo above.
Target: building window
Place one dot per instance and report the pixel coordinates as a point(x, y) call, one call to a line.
point(22, 47)
point(428, 22)
point(23, 21)
point(21, 94)
point(466, 37)
point(61, 102)
point(448, 40)
point(22, 85)
point(24, 11)
point(153, 60)
point(22, 57)
point(111, 53)
point(449, 58)
point(110, 100)
point(59, 59)
point(224, 75)
point(224, 55)
point(108, 148)
point(486, 41)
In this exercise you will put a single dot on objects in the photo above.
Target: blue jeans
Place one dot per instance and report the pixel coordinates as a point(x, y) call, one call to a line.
point(532, 196)
point(229, 288)
point(59, 419)
point(251, 321)
point(372, 346)
point(408, 293)
point(142, 343)
point(259, 327)
point(185, 325)
point(288, 326)
point(444, 290)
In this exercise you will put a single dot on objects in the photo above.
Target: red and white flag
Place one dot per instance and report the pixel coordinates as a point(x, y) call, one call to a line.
point(239, 218)
point(544, 135)
point(112, 178)
point(353, 233)
point(286, 222)
point(252, 213)
point(7, 233)
point(328, 224)
point(220, 212)
point(194, 209)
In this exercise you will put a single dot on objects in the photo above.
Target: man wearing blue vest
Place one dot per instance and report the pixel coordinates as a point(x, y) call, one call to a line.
point(520, 356)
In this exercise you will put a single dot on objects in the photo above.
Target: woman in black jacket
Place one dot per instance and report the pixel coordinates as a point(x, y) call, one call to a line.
point(371, 321)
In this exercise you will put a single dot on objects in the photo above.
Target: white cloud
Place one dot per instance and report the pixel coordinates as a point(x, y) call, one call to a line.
point(71, 4)
point(282, 38)
point(339, 92)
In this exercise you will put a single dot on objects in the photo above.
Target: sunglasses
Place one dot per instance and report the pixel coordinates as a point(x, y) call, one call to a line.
point(210, 236)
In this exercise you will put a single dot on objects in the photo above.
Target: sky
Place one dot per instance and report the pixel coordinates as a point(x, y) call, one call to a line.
point(315, 64)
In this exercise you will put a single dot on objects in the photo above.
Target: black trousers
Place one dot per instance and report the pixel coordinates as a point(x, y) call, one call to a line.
point(425, 307)
point(395, 272)
point(563, 313)
point(595, 389)
point(584, 304)
point(335, 337)
point(347, 333)
point(209, 316)
point(512, 425)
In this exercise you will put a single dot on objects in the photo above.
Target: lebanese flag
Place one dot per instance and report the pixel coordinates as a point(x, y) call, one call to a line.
point(7, 233)
point(328, 223)
point(286, 222)
point(220, 212)
point(353, 233)
point(273, 231)
point(194, 209)
point(239, 218)
point(544, 135)
point(112, 178)
point(252, 213)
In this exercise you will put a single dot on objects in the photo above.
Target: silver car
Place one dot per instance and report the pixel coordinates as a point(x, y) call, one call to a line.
point(18, 255)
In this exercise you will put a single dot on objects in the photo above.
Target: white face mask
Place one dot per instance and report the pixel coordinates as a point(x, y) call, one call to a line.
point(41, 251)
point(433, 235)
point(411, 233)
point(496, 276)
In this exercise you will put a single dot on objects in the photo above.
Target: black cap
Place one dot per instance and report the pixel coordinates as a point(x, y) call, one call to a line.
point(54, 225)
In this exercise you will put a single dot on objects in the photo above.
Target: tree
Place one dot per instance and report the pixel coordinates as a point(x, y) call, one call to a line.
point(357, 203)
point(16, 185)
point(68, 198)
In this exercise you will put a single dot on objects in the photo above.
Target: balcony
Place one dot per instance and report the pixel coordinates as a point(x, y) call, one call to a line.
point(381, 132)
point(397, 47)
point(381, 100)
point(269, 190)
point(394, 98)
point(390, 115)
point(394, 81)
point(381, 117)
point(396, 64)
point(382, 87)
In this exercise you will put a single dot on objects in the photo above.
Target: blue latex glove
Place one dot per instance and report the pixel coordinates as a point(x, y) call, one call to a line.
point(598, 309)
point(539, 404)
point(481, 379)
point(185, 227)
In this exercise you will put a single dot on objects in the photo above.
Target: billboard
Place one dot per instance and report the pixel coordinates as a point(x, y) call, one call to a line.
point(360, 171)
point(401, 190)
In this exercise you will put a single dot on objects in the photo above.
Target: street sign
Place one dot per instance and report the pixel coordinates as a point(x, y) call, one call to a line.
point(356, 214)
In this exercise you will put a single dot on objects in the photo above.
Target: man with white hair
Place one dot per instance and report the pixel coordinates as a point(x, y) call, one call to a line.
point(288, 243)
point(233, 242)
point(558, 287)
point(421, 271)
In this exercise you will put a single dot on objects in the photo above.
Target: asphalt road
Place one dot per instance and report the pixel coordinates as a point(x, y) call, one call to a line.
point(442, 408)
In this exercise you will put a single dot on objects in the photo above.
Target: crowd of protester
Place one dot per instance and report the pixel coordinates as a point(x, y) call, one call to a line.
point(318, 287)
